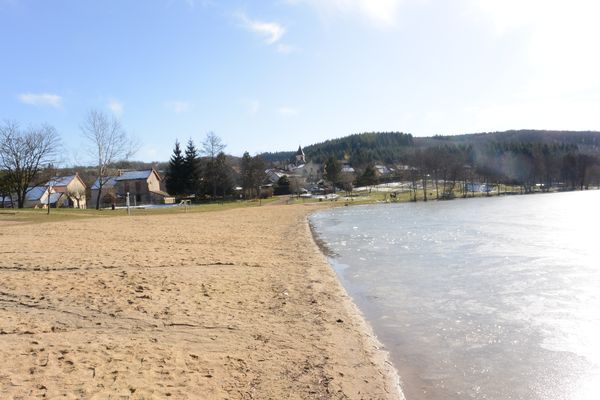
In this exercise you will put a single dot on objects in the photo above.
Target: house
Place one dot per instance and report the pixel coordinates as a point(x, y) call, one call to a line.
point(310, 171)
point(72, 187)
point(109, 196)
point(41, 196)
point(382, 170)
point(144, 187)
point(273, 175)
point(347, 168)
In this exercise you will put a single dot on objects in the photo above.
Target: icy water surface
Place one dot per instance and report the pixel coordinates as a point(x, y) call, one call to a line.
point(494, 298)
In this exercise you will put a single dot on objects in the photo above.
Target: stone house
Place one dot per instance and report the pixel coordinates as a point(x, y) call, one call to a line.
point(109, 195)
point(144, 187)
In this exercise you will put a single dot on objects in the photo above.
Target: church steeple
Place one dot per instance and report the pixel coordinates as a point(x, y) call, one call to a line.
point(300, 158)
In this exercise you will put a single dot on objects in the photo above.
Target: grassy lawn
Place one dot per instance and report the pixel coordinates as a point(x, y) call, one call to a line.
point(36, 216)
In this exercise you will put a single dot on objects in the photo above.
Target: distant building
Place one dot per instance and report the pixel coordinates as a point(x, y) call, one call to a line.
point(42, 196)
point(382, 170)
point(273, 175)
point(144, 187)
point(300, 157)
point(73, 188)
point(109, 195)
point(348, 168)
point(65, 191)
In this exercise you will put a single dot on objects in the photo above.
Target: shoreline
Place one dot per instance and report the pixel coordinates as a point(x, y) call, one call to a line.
point(235, 304)
point(381, 357)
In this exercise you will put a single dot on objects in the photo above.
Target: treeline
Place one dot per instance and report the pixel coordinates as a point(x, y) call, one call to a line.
point(208, 173)
point(360, 148)
point(448, 169)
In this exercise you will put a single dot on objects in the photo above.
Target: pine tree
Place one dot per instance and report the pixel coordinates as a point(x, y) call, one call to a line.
point(176, 173)
point(191, 165)
point(333, 169)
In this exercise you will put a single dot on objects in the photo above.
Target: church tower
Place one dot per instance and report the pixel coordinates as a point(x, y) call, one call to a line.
point(300, 158)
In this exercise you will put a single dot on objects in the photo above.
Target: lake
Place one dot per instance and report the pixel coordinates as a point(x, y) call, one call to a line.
point(487, 298)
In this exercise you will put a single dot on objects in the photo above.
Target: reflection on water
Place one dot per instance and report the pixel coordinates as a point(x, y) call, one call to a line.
point(494, 298)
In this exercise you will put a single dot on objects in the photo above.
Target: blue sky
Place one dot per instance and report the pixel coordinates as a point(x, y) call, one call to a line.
point(269, 75)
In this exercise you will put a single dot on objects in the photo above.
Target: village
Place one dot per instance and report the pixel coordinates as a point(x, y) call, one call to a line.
point(143, 187)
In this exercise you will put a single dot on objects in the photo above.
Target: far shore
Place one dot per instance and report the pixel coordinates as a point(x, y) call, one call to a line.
point(234, 304)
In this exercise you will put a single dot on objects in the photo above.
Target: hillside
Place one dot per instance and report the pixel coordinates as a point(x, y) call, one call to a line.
point(395, 147)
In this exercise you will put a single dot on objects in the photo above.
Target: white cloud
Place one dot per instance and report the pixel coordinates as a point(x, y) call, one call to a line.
point(383, 13)
point(116, 107)
point(271, 32)
point(41, 99)
point(287, 111)
point(178, 106)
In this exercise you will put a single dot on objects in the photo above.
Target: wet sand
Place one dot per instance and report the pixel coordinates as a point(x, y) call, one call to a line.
point(238, 304)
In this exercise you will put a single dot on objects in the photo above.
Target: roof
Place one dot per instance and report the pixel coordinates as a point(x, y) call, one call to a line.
point(36, 193)
point(61, 181)
point(109, 182)
point(134, 175)
point(54, 197)
point(299, 152)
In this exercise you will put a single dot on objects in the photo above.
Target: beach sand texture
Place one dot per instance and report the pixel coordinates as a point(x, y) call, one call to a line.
point(238, 304)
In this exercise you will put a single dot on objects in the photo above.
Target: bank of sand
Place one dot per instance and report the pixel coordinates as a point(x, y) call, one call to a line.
point(237, 304)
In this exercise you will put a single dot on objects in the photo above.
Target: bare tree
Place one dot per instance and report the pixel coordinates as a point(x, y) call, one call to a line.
point(297, 183)
point(77, 194)
point(211, 147)
point(108, 142)
point(23, 153)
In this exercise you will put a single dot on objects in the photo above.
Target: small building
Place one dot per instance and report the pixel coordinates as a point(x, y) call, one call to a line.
point(273, 175)
point(144, 187)
point(108, 195)
point(382, 170)
point(42, 196)
point(347, 168)
point(72, 187)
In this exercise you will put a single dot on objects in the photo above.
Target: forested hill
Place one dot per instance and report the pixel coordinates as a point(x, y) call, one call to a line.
point(584, 140)
point(394, 147)
point(358, 148)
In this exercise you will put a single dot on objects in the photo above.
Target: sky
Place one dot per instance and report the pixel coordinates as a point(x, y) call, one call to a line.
point(270, 75)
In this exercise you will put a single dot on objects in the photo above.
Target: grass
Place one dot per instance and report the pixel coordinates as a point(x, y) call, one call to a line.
point(38, 216)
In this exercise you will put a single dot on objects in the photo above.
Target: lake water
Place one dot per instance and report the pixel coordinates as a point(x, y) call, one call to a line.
point(492, 298)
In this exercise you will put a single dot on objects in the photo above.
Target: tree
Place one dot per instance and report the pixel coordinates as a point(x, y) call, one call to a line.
point(175, 179)
point(333, 169)
point(5, 190)
point(252, 171)
point(23, 153)
point(211, 147)
point(369, 176)
point(224, 181)
point(191, 169)
point(108, 142)
point(283, 186)
point(297, 183)
point(346, 181)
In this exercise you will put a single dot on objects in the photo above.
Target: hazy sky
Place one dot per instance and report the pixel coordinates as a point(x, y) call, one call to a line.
point(271, 74)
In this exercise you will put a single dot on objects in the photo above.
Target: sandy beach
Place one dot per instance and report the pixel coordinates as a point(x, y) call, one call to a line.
point(238, 304)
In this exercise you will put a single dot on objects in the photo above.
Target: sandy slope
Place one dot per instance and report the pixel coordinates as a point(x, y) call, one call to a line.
point(225, 305)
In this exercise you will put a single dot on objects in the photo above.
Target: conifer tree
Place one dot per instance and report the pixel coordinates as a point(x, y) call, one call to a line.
point(191, 164)
point(333, 169)
point(176, 174)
